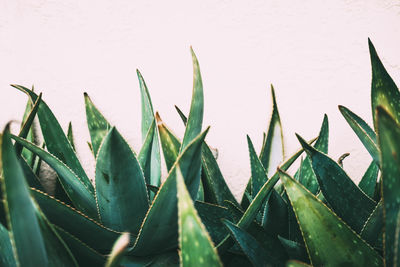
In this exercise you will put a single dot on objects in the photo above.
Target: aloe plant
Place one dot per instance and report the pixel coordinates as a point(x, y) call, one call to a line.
point(128, 216)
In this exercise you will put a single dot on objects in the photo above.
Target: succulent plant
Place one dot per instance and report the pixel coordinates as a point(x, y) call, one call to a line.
point(129, 216)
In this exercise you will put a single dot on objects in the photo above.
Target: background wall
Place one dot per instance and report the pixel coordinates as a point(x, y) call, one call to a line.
point(314, 52)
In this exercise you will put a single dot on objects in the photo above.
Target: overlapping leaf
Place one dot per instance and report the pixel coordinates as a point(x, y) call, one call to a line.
point(319, 225)
point(194, 241)
point(121, 193)
point(346, 198)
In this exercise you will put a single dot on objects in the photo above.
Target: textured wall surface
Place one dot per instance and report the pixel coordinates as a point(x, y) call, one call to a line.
point(314, 52)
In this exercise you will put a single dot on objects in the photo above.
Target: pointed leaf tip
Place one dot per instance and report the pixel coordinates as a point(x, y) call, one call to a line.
point(308, 148)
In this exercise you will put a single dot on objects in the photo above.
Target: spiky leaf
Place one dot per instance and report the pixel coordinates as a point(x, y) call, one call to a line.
point(319, 224)
point(369, 179)
point(384, 91)
point(121, 192)
point(119, 249)
point(364, 132)
point(195, 243)
point(388, 137)
point(346, 198)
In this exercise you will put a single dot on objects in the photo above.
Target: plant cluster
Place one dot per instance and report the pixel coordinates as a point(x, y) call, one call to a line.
point(128, 216)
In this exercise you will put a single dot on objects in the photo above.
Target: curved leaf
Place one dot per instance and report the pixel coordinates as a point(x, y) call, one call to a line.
point(366, 135)
point(258, 174)
point(346, 198)
point(56, 141)
point(121, 192)
point(195, 119)
point(76, 223)
point(80, 195)
point(388, 139)
point(169, 142)
point(318, 225)
point(159, 231)
point(118, 251)
point(195, 243)
point(369, 179)
point(384, 91)
point(6, 256)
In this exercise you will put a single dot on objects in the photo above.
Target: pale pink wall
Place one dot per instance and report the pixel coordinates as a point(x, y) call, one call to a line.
point(314, 52)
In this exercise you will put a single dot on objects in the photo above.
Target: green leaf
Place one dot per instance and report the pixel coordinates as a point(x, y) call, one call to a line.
point(121, 191)
point(56, 141)
point(27, 129)
point(364, 132)
point(147, 120)
point(195, 119)
point(84, 255)
point(215, 188)
point(76, 223)
point(388, 139)
point(97, 124)
point(369, 179)
point(145, 153)
point(80, 195)
point(30, 176)
point(259, 200)
point(159, 231)
point(319, 225)
point(258, 174)
point(384, 91)
point(306, 173)
point(118, 251)
point(70, 136)
point(346, 198)
point(195, 243)
point(272, 152)
point(34, 243)
point(6, 256)
point(257, 255)
point(169, 142)
point(211, 216)
point(275, 217)
point(373, 227)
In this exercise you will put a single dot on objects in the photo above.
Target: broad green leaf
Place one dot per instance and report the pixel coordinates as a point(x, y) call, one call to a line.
point(76, 223)
point(211, 216)
point(388, 139)
point(80, 195)
point(373, 227)
point(307, 176)
point(27, 130)
point(343, 195)
point(97, 124)
point(256, 204)
point(364, 132)
point(6, 251)
point(70, 136)
point(34, 241)
point(215, 188)
point(118, 251)
point(319, 225)
point(147, 120)
point(272, 153)
point(159, 231)
point(56, 141)
point(258, 174)
point(121, 192)
point(369, 179)
point(195, 119)
point(194, 241)
point(384, 91)
point(257, 255)
point(84, 255)
point(169, 142)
